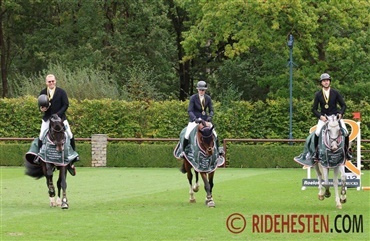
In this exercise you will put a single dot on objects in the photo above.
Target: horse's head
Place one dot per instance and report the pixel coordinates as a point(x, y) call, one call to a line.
point(56, 130)
point(333, 131)
point(206, 138)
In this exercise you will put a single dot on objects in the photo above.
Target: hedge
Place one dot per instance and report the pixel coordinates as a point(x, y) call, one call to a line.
point(166, 119)
point(161, 155)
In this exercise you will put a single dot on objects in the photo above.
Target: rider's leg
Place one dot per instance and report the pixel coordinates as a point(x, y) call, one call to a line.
point(319, 126)
point(43, 129)
point(190, 127)
point(347, 148)
point(71, 168)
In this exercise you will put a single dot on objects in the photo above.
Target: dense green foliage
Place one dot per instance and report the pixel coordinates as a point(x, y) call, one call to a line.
point(165, 119)
point(158, 49)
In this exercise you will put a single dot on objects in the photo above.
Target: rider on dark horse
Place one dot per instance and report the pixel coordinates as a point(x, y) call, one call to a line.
point(54, 100)
point(328, 99)
point(200, 108)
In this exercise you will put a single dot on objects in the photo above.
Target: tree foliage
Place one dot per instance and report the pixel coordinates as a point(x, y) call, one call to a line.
point(170, 44)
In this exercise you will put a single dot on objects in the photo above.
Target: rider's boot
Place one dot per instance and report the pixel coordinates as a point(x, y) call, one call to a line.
point(220, 149)
point(184, 143)
point(39, 145)
point(71, 168)
point(347, 148)
point(182, 168)
point(316, 143)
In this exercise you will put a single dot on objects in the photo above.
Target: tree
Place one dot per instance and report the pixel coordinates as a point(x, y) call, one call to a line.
point(332, 36)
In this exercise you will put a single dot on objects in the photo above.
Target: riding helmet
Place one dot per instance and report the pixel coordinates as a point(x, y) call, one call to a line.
point(43, 101)
point(202, 85)
point(325, 76)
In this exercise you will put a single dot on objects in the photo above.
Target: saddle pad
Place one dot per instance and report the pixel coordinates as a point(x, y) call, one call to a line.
point(328, 158)
point(48, 152)
point(194, 155)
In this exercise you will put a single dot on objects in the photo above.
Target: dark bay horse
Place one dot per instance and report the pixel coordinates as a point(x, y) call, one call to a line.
point(53, 148)
point(204, 158)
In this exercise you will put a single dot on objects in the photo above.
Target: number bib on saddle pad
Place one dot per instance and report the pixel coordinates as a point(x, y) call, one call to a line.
point(328, 158)
point(48, 152)
point(195, 156)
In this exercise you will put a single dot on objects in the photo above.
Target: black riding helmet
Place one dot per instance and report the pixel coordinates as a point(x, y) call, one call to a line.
point(43, 101)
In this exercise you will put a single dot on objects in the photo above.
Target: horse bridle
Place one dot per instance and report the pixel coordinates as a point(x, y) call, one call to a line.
point(54, 119)
point(333, 138)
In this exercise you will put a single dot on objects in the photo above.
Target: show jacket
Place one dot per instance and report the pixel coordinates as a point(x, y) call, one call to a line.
point(334, 98)
point(59, 104)
point(195, 107)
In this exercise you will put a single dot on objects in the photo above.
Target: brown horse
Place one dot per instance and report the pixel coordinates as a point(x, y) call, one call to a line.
point(205, 156)
point(56, 139)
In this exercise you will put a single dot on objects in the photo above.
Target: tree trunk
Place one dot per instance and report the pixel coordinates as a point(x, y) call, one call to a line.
point(3, 67)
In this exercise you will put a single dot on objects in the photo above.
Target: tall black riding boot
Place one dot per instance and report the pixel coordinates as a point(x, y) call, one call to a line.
point(185, 143)
point(316, 143)
point(347, 149)
point(73, 143)
point(39, 144)
point(220, 149)
point(71, 168)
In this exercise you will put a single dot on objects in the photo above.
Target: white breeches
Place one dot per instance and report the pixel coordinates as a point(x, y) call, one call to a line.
point(45, 126)
point(192, 125)
point(321, 123)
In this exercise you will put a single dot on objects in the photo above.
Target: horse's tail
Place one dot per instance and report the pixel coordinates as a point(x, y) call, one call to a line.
point(33, 170)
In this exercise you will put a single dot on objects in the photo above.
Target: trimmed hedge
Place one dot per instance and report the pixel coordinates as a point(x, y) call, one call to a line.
point(166, 119)
point(161, 155)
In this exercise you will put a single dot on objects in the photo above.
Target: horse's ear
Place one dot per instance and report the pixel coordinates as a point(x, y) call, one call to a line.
point(213, 126)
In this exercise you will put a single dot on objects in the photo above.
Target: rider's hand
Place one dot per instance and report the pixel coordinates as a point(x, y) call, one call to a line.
point(198, 120)
point(43, 108)
point(323, 118)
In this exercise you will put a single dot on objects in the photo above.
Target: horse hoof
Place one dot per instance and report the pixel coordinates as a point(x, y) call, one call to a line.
point(327, 195)
point(59, 202)
point(211, 204)
point(192, 200)
point(64, 205)
point(321, 197)
point(339, 206)
point(343, 200)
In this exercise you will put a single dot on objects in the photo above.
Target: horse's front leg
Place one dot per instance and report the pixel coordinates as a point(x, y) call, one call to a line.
point(326, 182)
point(319, 179)
point(207, 187)
point(48, 172)
point(62, 185)
point(343, 191)
point(342, 198)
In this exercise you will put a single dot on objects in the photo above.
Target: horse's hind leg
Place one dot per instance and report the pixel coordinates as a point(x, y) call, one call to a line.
point(343, 191)
point(190, 179)
point(196, 185)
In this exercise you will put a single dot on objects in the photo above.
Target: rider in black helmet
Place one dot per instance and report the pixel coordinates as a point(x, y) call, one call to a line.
point(328, 99)
point(53, 100)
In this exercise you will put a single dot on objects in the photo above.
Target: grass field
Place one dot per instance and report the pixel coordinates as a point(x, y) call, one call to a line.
point(152, 204)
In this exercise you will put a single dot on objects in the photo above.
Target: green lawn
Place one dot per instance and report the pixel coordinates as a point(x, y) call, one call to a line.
point(152, 204)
